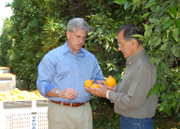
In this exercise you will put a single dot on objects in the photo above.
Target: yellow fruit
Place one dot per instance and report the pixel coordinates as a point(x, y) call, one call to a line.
point(2, 98)
point(95, 86)
point(110, 81)
point(16, 95)
point(88, 83)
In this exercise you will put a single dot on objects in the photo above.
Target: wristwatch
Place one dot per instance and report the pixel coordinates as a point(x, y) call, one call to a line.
point(57, 92)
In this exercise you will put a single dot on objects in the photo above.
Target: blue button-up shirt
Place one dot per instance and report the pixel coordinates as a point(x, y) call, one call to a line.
point(61, 69)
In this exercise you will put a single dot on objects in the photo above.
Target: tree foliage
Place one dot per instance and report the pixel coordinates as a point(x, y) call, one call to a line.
point(37, 26)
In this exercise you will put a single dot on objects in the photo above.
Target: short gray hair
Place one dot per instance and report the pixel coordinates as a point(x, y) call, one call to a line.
point(78, 22)
point(129, 30)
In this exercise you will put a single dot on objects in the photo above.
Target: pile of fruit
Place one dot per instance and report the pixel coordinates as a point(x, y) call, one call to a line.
point(4, 67)
point(110, 81)
point(6, 75)
point(18, 95)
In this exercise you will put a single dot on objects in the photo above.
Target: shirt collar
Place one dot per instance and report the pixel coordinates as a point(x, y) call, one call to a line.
point(132, 59)
point(67, 49)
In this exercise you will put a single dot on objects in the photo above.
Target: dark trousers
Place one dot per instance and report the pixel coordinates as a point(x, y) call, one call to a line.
point(131, 123)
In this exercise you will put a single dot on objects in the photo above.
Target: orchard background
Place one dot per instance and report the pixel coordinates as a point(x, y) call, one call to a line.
point(37, 26)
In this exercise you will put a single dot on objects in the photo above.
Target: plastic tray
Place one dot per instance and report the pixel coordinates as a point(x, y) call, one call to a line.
point(29, 114)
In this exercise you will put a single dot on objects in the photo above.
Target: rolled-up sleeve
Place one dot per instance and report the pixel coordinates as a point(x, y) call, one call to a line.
point(97, 72)
point(46, 71)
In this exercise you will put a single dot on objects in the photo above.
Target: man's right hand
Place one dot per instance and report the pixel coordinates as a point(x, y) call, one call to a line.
point(68, 93)
point(104, 84)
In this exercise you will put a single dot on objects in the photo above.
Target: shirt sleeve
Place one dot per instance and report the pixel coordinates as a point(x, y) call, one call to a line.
point(97, 72)
point(140, 84)
point(46, 71)
point(107, 96)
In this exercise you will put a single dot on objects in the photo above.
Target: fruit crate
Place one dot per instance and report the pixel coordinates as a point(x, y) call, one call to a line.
point(7, 83)
point(29, 114)
point(4, 70)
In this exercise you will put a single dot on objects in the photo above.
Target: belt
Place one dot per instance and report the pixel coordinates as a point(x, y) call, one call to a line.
point(69, 104)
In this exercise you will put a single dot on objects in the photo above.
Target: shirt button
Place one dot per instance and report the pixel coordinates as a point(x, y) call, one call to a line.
point(76, 74)
point(76, 83)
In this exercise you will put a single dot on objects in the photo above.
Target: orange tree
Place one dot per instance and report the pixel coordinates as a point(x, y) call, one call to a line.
point(5, 41)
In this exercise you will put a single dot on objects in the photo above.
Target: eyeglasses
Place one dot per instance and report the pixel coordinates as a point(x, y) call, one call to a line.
point(119, 45)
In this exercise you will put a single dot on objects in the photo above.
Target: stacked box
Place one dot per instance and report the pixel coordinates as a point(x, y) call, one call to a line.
point(7, 83)
point(7, 80)
point(4, 70)
point(29, 114)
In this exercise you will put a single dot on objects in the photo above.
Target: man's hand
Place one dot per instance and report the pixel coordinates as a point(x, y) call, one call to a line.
point(104, 83)
point(101, 92)
point(87, 89)
point(68, 93)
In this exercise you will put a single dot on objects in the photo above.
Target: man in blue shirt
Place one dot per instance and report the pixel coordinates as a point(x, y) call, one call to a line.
point(61, 76)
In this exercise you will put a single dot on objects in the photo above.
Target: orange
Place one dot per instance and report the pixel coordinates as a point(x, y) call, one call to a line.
point(95, 86)
point(110, 81)
point(88, 83)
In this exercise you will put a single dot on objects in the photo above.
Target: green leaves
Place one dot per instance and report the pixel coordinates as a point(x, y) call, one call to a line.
point(164, 47)
point(175, 51)
point(136, 2)
point(178, 24)
point(173, 11)
point(176, 34)
point(145, 15)
point(168, 23)
point(137, 35)
point(121, 2)
point(150, 3)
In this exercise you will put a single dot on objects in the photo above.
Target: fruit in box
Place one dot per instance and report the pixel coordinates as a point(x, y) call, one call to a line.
point(17, 95)
point(6, 74)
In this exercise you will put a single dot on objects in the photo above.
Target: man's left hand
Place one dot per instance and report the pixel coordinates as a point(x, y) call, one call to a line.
point(101, 92)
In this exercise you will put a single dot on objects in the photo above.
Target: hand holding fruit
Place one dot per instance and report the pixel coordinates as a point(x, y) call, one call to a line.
point(87, 84)
point(90, 86)
point(101, 88)
point(109, 83)
point(95, 89)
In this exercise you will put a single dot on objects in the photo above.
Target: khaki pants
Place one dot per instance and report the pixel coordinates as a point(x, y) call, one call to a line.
point(66, 117)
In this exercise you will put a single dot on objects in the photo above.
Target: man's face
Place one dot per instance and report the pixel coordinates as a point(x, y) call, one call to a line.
point(126, 47)
point(76, 39)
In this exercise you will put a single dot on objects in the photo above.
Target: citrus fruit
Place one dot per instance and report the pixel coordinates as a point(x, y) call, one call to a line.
point(88, 83)
point(95, 86)
point(110, 81)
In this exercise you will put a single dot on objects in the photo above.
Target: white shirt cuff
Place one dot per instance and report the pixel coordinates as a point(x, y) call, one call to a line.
point(107, 94)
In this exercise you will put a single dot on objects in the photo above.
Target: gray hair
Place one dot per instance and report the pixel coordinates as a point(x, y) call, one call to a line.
point(78, 22)
point(129, 31)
